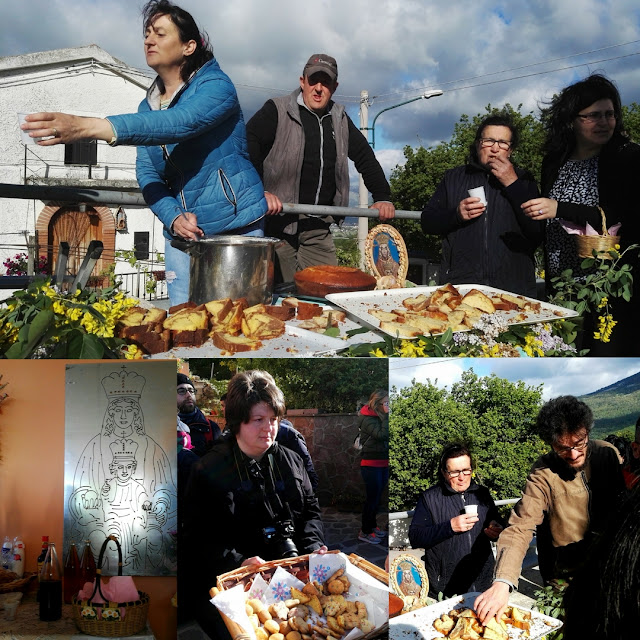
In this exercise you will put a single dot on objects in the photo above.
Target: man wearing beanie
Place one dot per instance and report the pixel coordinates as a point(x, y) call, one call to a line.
point(300, 144)
point(203, 431)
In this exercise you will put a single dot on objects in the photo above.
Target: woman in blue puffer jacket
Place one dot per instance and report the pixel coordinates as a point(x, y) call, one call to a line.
point(192, 164)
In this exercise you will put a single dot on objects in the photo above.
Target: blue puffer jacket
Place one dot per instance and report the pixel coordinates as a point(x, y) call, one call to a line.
point(206, 155)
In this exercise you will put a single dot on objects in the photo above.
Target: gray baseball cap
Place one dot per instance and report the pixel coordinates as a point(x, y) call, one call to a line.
point(321, 62)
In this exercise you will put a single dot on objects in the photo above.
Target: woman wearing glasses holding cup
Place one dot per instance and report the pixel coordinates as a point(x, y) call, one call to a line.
point(487, 238)
point(589, 163)
point(454, 522)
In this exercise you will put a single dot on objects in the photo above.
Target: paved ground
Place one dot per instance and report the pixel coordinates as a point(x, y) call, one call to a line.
point(341, 532)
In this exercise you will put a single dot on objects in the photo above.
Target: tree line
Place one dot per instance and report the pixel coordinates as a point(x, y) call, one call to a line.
point(493, 416)
point(332, 385)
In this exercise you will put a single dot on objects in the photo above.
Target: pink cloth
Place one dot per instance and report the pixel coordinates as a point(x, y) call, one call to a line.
point(87, 590)
point(114, 589)
point(120, 589)
point(588, 230)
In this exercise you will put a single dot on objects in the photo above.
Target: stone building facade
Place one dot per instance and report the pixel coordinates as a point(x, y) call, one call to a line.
point(83, 81)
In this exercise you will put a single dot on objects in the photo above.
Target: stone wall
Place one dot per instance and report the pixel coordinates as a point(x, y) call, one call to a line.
point(329, 437)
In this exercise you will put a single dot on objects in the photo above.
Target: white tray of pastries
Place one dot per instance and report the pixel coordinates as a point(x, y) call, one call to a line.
point(228, 327)
point(412, 312)
point(421, 624)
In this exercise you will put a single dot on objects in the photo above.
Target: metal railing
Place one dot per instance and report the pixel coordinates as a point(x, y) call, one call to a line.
point(135, 199)
point(139, 284)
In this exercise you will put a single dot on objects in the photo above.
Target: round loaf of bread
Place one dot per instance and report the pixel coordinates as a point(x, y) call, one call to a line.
point(320, 280)
point(396, 605)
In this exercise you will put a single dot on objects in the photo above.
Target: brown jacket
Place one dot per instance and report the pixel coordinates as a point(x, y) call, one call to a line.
point(565, 508)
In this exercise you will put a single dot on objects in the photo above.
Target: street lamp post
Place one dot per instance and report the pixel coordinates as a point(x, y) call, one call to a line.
point(425, 96)
point(363, 226)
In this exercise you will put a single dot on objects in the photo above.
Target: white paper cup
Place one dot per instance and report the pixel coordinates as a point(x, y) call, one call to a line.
point(24, 135)
point(10, 609)
point(471, 509)
point(478, 192)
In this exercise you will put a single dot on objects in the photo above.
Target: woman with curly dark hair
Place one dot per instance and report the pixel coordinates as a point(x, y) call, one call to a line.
point(589, 163)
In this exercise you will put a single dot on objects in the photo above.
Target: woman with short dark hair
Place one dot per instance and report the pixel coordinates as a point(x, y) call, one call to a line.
point(487, 240)
point(248, 500)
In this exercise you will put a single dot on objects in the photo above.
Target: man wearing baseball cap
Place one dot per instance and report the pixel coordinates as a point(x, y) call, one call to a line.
point(300, 144)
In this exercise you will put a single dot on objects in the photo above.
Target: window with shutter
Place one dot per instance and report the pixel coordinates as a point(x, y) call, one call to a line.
point(84, 152)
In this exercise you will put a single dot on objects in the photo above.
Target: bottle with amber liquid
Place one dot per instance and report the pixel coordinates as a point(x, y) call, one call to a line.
point(72, 575)
point(87, 565)
point(51, 586)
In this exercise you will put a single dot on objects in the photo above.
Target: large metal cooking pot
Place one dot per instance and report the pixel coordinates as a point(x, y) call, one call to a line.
point(230, 267)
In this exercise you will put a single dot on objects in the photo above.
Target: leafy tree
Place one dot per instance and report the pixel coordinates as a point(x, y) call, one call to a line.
point(631, 116)
point(332, 385)
point(493, 416)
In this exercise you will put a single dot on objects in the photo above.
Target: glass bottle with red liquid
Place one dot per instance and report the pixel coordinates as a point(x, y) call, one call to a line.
point(51, 586)
point(40, 561)
point(87, 565)
point(72, 576)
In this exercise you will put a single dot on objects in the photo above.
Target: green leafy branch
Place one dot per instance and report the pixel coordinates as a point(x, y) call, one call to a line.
point(549, 601)
point(610, 278)
point(40, 321)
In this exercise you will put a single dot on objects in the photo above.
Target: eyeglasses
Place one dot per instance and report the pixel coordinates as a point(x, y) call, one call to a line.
point(455, 474)
point(385, 403)
point(595, 116)
point(182, 391)
point(505, 145)
point(563, 451)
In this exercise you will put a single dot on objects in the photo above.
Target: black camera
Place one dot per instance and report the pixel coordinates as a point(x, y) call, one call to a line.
point(278, 538)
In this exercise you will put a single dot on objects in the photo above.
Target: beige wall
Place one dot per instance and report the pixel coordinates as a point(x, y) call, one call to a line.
point(32, 472)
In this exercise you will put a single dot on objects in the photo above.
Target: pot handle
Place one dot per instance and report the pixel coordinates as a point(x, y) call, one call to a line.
point(184, 245)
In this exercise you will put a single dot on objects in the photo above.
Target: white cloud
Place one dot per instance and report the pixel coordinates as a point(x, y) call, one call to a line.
point(440, 372)
point(393, 48)
point(387, 47)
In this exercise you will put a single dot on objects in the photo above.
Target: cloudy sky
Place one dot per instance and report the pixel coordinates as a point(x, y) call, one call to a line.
point(477, 52)
point(559, 376)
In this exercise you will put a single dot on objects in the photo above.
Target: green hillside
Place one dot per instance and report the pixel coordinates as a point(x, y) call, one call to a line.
point(616, 407)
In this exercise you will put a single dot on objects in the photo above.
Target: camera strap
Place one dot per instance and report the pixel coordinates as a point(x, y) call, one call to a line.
point(275, 487)
point(259, 480)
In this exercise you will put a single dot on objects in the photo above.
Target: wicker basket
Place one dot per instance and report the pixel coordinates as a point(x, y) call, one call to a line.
point(245, 575)
point(602, 244)
point(135, 614)
point(21, 584)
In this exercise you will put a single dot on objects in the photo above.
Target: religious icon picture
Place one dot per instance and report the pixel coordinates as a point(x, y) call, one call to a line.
point(120, 463)
point(386, 255)
point(409, 581)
